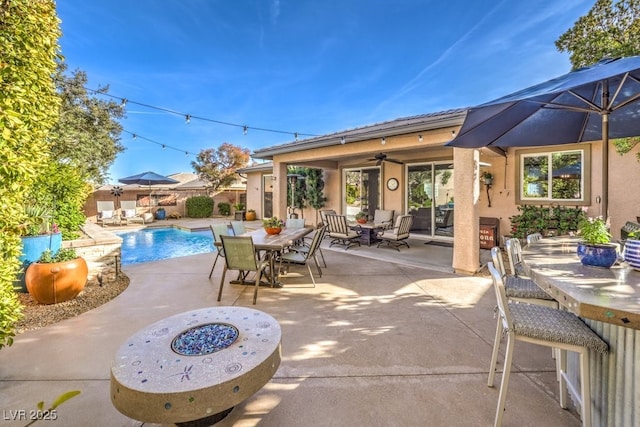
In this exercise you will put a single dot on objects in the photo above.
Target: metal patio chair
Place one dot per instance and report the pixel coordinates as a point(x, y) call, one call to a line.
point(240, 254)
point(548, 327)
point(238, 227)
point(304, 257)
point(397, 235)
point(218, 230)
point(340, 233)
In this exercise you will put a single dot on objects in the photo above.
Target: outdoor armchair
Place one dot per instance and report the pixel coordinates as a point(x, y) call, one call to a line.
point(383, 217)
point(340, 233)
point(240, 254)
point(398, 235)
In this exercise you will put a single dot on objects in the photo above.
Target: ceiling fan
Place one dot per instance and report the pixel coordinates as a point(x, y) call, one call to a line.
point(382, 157)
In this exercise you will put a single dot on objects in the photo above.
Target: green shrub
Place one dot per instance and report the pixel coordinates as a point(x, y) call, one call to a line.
point(546, 220)
point(199, 207)
point(224, 208)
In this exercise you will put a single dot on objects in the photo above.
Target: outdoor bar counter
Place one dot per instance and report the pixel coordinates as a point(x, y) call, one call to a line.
point(608, 300)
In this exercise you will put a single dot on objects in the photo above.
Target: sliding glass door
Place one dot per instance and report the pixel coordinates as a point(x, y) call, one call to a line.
point(430, 198)
point(361, 191)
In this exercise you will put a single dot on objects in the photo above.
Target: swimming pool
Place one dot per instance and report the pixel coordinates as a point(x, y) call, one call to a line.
point(154, 244)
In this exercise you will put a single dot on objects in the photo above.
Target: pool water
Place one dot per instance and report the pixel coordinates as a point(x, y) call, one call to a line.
point(163, 243)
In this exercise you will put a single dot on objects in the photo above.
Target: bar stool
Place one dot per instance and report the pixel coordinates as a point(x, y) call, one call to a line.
point(534, 237)
point(549, 327)
point(514, 253)
point(520, 288)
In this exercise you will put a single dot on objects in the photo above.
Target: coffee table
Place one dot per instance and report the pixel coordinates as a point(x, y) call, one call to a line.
point(195, 366)
point(368, 231)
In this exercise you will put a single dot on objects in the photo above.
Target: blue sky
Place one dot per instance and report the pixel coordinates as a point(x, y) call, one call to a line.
point(312, 67)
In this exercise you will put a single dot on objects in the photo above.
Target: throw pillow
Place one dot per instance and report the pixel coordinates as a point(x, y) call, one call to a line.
point(107, 214)
point(129, 213)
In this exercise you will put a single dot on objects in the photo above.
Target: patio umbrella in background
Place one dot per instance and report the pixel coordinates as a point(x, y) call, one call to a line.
point(148, 178)
point(589, 104)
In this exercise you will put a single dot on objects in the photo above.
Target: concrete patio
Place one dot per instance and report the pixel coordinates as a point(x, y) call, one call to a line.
point(376, 343)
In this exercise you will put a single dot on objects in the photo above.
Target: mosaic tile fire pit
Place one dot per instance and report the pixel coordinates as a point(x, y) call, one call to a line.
point(195, 365)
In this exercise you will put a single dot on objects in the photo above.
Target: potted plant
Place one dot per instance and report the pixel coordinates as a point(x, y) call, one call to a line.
point(632, 250)
point(239, 211)
point(250, 215)
point(362, 217)
point(160, 213)
point(57, 277)
point(487, 177)
point(595, 248)
point(272, 225)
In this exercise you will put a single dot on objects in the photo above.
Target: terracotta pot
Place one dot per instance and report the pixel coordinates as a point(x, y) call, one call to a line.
point(273, 230)
point(250, 216)
point(51, 283)
point(361, 220)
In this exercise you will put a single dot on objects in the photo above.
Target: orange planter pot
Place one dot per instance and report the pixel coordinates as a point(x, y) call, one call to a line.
point(51, 283)
point(273, 230)
point(361, 221)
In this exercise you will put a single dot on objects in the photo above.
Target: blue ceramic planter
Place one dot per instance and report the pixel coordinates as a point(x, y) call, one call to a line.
point(604, 255)
point(32, 249)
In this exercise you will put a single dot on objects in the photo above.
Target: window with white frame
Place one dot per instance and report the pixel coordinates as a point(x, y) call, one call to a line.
point(554, 176)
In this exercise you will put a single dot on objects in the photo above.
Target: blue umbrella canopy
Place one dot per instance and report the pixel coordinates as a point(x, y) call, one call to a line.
point(148, 178)
point(568, 109)
point(589, 104)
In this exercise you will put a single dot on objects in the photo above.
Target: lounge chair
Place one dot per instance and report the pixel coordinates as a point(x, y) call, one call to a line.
point(129, 213)
point(107, 213)
point(397, 235)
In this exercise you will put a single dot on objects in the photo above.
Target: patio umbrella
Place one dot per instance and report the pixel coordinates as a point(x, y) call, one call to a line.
point(148, 178)
point(589, 104)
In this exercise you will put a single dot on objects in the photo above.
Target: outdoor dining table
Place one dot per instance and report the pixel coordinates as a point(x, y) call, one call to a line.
point(608, 300)
point(269, 245)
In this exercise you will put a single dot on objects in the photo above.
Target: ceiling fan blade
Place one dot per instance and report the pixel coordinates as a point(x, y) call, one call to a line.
point(395, 161)
point(379, 162)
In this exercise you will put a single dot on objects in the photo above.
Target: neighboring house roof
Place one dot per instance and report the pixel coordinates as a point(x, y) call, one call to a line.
point(187, 181)
point(399, 126)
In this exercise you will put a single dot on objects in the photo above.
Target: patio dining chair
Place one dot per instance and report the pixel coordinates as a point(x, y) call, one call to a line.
point(340, 233)
point(384, 217)
point(548, 327)
point(304, 257)
point(240, 254)
point(218, 230)
point(398, 235)
point(238, 227)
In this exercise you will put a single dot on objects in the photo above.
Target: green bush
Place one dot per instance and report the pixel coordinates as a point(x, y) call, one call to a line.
point(224, 208)
point(199, 207)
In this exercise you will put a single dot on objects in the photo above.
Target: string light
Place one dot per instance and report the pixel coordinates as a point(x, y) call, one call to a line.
point(419, 138)
point(384, 140)
point(343, 140)
point(162, 145)
point(189, 117)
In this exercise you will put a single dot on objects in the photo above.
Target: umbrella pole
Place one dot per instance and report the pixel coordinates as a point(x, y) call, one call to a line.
point(605, 150)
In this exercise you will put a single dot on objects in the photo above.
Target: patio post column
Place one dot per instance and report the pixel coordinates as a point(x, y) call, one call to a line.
point(466, 240)
point(280, 189)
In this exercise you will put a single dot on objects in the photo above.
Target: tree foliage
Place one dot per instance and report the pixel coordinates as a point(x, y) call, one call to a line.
point(29, 32)
point(607, 30)
point(87, 134)
point(218, 166)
